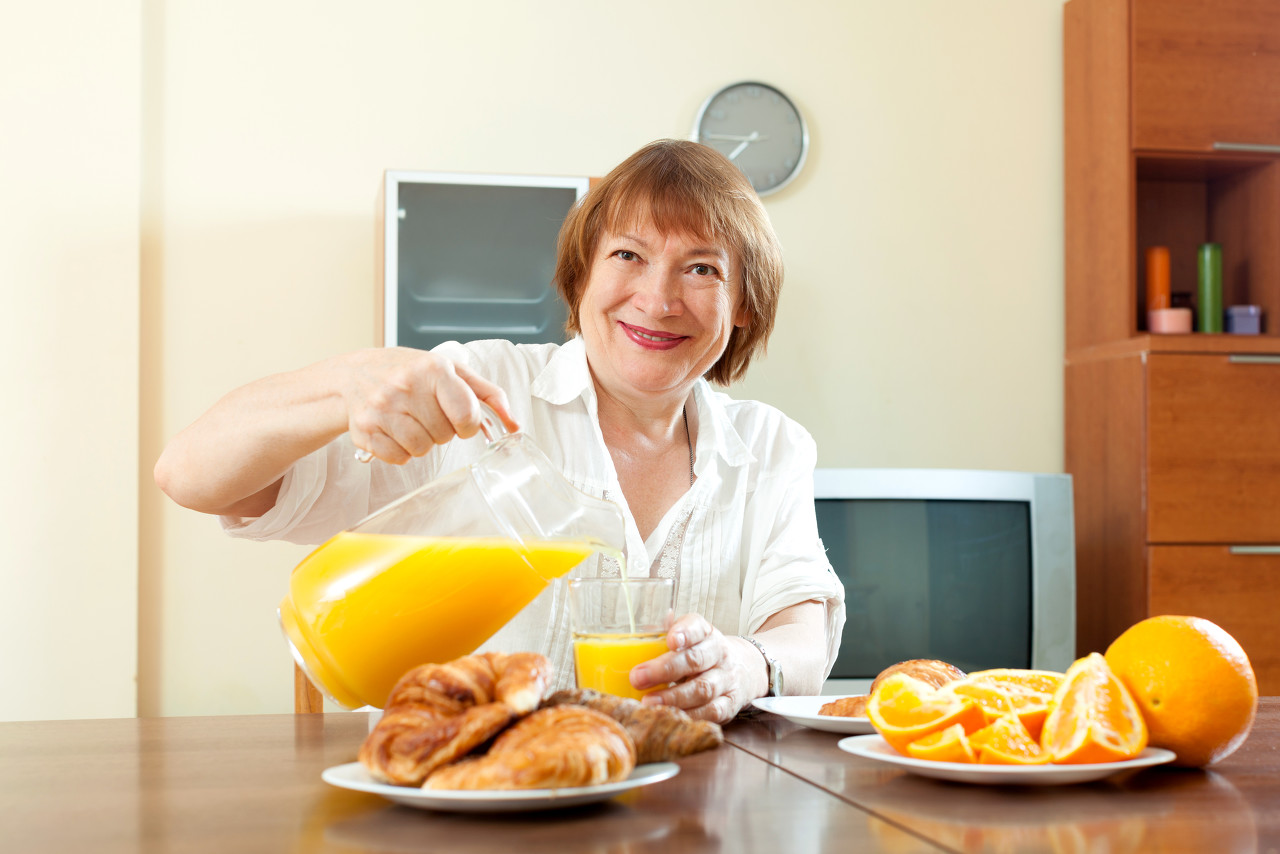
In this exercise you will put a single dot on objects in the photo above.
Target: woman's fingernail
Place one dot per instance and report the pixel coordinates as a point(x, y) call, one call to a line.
point(679, 638)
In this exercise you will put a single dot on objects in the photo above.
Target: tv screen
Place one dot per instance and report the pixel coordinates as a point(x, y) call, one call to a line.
point(975, 568)
point(930, 579)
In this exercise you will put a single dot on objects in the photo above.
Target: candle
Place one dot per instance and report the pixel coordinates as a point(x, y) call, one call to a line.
point(1209, 316)
point(1159, 295)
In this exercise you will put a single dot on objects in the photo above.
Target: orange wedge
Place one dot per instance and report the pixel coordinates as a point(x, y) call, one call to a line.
point(1094, 717)
point(945, 745)
point(998, 699)
point(903, 709)
point(1037, 681)
point(1007, 742)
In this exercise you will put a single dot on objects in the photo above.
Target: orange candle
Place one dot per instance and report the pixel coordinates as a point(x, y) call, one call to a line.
point(1158, 291)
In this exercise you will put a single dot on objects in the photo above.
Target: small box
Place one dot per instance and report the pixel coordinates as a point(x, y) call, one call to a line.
point(1244, 320)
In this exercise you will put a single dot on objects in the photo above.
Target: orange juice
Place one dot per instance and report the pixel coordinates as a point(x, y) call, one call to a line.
point(604, 662)
point(363, 609)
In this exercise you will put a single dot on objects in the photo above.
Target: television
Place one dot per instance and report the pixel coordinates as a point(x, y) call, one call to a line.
point(976, 568)
point(467, 256)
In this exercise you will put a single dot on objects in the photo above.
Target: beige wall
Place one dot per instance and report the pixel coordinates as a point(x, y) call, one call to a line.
point(920, 325)
point(69, 175)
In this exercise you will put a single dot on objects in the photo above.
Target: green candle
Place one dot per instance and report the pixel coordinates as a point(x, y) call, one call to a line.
point(1209, 316)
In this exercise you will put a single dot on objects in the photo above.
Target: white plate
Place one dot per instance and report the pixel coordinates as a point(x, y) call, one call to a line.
point(875, 747)
point(354, 776)
point(804, 711)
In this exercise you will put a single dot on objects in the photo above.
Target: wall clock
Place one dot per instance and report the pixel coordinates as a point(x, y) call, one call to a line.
point(759, 129)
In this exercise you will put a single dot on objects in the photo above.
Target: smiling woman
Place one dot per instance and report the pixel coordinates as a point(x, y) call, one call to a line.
point(671, 272)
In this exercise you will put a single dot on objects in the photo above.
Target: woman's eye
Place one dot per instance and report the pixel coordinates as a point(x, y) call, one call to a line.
point(626, 254)
point(704, 270)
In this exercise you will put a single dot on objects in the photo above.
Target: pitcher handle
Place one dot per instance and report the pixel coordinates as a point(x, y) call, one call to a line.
point(490, 425)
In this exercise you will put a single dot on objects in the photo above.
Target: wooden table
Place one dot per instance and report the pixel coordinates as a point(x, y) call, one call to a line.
point(252, 783)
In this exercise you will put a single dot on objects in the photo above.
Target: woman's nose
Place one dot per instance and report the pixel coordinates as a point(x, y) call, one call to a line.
point(658, 293)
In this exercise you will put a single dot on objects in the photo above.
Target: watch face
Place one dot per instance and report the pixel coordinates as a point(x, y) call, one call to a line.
point(759, 129)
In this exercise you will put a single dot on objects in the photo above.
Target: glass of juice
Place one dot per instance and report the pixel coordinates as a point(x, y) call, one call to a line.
point(618, 623)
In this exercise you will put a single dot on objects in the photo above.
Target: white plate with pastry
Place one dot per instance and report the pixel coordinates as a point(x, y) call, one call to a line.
point(804, 711)
point(876, 748)
point(354, 776)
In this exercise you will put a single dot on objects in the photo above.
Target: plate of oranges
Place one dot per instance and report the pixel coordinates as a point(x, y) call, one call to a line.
point(1170, 689)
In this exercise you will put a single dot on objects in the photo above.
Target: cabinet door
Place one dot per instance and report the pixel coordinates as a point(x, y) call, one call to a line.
point(1213, 450)
point(1205, 73)
point(1239, 592)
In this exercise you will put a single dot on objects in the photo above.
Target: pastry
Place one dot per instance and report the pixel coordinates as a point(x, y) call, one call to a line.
point(553, 748)
point(846, 707)
point(438, 713)
point(660, 733)
point(931, 671)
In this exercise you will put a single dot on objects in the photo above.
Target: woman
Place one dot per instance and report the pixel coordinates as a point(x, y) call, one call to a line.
point(671, 273)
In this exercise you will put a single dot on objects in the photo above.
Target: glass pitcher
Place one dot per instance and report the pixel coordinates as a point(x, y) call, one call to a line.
point(433, 575)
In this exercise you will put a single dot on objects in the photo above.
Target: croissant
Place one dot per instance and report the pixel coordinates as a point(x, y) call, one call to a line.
point(438, 713)
point(935, 673)
point(550, 749)
point(660, 733)
point(846, 707)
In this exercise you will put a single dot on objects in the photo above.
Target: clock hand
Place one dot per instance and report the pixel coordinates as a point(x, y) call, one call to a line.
point(746, 140)
point(754, 136)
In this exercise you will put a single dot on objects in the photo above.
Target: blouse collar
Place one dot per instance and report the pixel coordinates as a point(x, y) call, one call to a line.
point(566, 377)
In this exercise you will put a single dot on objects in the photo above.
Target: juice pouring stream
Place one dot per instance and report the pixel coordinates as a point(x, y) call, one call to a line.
point(433, 575)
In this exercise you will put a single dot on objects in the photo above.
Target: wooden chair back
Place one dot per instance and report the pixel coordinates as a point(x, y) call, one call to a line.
point(307, 699)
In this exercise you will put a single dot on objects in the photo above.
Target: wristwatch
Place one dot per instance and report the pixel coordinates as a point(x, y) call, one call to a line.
point(772, 667)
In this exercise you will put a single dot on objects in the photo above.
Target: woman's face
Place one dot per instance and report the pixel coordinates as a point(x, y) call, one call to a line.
point(657, 310)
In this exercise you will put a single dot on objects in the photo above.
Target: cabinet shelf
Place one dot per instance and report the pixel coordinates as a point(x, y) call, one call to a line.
point(1183, 200)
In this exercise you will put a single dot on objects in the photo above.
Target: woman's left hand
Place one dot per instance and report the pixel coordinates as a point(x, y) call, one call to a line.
point(714, 675)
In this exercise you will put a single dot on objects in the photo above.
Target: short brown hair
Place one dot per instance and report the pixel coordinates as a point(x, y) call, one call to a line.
point(685, 187)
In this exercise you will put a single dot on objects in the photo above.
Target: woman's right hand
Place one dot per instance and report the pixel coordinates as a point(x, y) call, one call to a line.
point(401, 402)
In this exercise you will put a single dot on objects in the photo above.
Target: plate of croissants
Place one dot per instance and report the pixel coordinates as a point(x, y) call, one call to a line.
point(483, 733)
point(848, 715)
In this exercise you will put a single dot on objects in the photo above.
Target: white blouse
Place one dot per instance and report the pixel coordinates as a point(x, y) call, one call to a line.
point(742, 543)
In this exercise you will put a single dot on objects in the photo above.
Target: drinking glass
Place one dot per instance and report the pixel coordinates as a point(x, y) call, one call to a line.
point(618, 623)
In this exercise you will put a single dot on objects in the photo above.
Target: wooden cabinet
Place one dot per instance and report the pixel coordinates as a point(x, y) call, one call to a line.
point(1205, 75)
point(1172, 138)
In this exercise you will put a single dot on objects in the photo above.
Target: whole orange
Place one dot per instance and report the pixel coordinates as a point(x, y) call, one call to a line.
point(1193, 683)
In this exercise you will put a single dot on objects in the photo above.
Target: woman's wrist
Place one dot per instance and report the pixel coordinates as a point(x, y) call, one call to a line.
point(771, 669)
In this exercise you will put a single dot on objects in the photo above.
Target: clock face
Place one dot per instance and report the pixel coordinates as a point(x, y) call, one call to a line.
point(759, 129)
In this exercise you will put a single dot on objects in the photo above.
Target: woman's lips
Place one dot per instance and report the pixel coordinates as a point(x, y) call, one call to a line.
point(651, 339)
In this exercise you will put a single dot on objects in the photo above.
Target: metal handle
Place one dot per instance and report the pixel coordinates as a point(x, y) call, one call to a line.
point(1256, 147)
point(1255, 550)
point(490, 425)
point(1254, 359)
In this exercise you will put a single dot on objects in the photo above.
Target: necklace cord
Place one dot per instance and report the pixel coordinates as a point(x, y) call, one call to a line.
point(688, 437)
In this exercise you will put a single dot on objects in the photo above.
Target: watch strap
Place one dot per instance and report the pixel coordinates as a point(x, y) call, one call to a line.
point(772, 668)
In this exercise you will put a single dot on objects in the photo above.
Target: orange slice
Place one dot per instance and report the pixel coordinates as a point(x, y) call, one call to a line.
point(1007, 742)
point(1094, 718)
point(903, 709)
point(945, 745)
point(1037, 681)
point(998, 699)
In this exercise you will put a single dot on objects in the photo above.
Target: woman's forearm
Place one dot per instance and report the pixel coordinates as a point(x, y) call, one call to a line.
point(231, 459)
point(796, 637)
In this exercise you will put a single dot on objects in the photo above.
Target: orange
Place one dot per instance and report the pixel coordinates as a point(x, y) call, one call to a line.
point(1193, 682)
point(1007, 742)
point(1094, 718)
point(1038, 681)
point(945, 745)
point(1000, 699)
point(903, 709)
